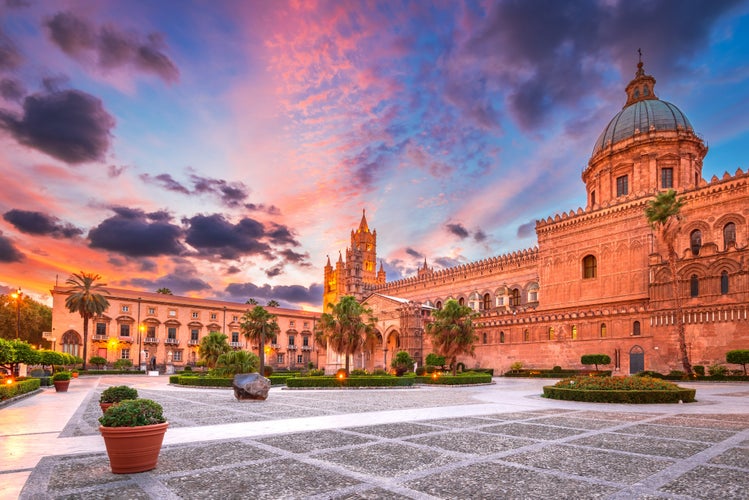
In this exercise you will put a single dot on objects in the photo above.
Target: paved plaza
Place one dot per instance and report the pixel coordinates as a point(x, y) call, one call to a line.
point(495, 441)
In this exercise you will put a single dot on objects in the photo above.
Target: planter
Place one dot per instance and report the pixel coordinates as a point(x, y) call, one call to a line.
point(75, 374)
point(61, 385)
point(104, 406)
point(133, 449)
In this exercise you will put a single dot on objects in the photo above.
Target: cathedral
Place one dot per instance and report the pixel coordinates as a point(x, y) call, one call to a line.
point(598, 281)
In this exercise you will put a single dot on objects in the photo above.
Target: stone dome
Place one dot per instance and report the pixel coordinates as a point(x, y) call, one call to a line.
point(642, 116)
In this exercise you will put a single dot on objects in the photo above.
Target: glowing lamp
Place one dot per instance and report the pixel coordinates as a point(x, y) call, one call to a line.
point(112, 344)
point(9, 381)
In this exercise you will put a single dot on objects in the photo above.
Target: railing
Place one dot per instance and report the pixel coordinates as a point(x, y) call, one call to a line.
point(171, 341)
point(235, 345)
point(291, 347)
point(150, 340)
point(306, 348)
point(126, 339)
point(193, 342)
point(99, 338)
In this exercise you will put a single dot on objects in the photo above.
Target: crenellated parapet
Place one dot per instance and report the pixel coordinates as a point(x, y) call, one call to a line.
point(519, 258)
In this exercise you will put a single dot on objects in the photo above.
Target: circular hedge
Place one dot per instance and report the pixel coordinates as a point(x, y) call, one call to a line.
point(634, 390)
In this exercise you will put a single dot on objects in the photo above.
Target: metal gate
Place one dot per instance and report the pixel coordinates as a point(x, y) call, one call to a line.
point(636, 360)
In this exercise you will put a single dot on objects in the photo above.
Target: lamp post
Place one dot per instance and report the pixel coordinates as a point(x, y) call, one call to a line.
point(140, 330)
point(18, 296)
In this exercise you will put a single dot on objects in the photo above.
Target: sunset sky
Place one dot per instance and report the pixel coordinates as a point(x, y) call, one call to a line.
point(223, 149)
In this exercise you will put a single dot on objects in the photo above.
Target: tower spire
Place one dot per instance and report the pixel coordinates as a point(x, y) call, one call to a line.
point(363, 226)
point(641, 88)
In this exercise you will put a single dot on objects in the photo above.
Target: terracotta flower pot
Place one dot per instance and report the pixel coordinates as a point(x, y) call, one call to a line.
point(75, 374)
point(61, 385)
point(104, 406)
point(133, 449)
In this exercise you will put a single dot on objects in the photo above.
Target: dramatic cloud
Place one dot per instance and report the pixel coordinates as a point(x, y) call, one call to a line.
point(292, 257)
point(113, 171)
point(111, 47)
point(414, 253)
point(479, 235)
point(527, 230)
point(70, 125)
point(458, 230)
point(286, 295)
point(214, 235)
point(10, 58)
point(135, 233)
point(8, 251)
point(12, 90)
point(260, 207)
point(40, 224)
point(179, 282)
point(231, 194)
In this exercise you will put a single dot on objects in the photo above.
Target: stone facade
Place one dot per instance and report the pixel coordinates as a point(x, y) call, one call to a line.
point(141, 326)
point(597, 282)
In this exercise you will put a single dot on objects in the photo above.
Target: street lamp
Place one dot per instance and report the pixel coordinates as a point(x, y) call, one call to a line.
point(18, 296)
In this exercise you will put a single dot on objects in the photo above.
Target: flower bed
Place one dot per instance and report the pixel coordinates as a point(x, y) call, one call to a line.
point(636, 390)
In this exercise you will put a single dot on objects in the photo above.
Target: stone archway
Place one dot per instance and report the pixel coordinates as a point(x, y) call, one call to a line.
point(636, 360)
point(71, 343)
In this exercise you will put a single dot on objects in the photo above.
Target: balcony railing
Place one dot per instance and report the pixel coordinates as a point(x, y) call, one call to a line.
point(306, 348)
point(193, 342)
point(236, 345)
point(126, 339)
point(150, 340)
point(99, 338)
point(171, 341)
point(292, 347)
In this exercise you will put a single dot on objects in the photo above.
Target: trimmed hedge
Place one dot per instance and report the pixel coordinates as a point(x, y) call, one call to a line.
point(197, 381)
point(632, 397)
point(8, 391)
point(111, 372)
point(530, 373)
point(468, 378)
point(332, 382)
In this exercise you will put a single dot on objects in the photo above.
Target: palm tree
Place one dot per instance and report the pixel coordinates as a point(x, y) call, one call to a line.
point(251, 301)
point(234, 362)
point(344, 329)
point(165, 291)
point(212, 346)
point(452, 332)
point(664, 215)
point(273, 303)
point(86, 298)
point(260, 325)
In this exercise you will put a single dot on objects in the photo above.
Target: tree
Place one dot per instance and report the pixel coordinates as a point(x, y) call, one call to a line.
point(595, 359)
point(452, 332)
point(738, 357)
point(212, 346)
point(273, 303)
point(164, 291)
point(7, 355)
point(402, 362)
point(259, 325)
point(234, 362)
point(664, 216)
point(87, 299)
point(34, 316)
point(345, 328)
point(251, 301)
point(433, 359)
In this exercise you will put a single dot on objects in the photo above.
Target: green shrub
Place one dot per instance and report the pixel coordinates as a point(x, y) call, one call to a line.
point(234, 362)
point(699, 370)
point(402, 362)
point(557, 369)
point(133, 413)
point(199, 381)
point(97, 361)
point(174, 379)
point(595, 359)
point(434, 359)
point(316, 373)
point(516, 366)
point(738, 357)
point(358, 372)
point(462, 379)
point(368, 381)
point(649, 373)
point(113, 372)
point(717, 371)
point(61, 376)
point(123, 364)
point(18, 387)
point(420, 370)
point(460, 367)
point(380, 372)
point(430, 368)
point(187, 369)
point(619, 390)
point(118, 393)
point(281, 378)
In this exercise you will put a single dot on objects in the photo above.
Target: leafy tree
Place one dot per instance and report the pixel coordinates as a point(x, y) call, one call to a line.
point(234, 362)
point(347, 328)
point(402, 362)
point(738, 357)
point(273, 303)
point(259, 325)
point(664, 216)
point(595, 359)
point(98, 361)
point(251, 301)
point(164, 291)
point(34, 316)
point(452, 331)
point(87, 299)
point(7, 355)
point(212, 346)
point(434, 359)
point(50, 358)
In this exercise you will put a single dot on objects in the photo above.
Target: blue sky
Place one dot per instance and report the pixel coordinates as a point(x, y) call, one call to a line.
point(224, 149)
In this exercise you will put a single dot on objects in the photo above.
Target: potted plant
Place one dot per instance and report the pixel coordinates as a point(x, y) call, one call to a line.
point(133, 431)
point(116, 394)
point(74, 373)
point(61, 381)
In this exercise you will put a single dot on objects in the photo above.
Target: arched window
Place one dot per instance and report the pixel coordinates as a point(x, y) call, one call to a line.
point(603, 329)
point(574, 332)
point(438, 305)
point(724, 283)
point(487, 302)
point(551, 333)
point(695, 241)
point(526, 336)
point(515, 297)
point(729, 235)
point(694, 286)
point(485, 337)
point(71, 342)
point(462, 301)
point(636, 328)
point(590, 267)
point(501, 337)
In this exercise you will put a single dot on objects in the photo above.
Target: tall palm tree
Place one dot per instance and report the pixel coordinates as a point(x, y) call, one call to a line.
point(251, 301)
point(88, 299)
point(273, 303)
point(664, 215)
point(452, 332)
point(212, 346)
point(165, 291)
point(260, 325)
point(345, 329)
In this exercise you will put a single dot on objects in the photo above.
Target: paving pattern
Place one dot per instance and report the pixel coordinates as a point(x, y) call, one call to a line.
point(549, 451)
